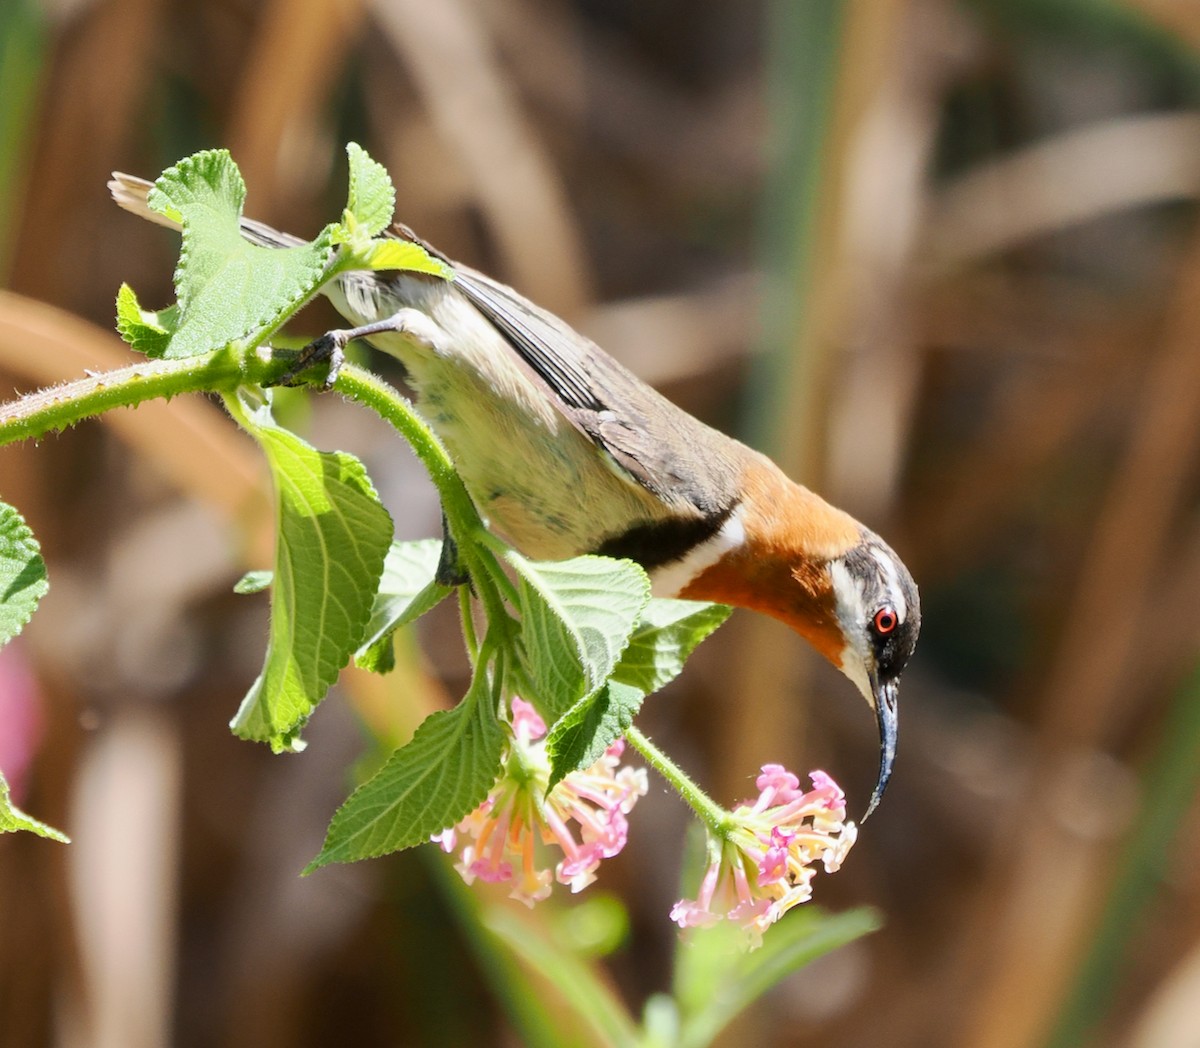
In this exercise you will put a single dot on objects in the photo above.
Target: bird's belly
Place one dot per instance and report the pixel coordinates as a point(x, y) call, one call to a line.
point(539, 482)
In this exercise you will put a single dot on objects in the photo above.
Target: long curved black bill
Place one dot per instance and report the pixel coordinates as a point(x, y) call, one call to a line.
point(887, 714)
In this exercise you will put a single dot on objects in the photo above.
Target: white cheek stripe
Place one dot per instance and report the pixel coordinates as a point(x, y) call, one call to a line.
point(670, 579)
point(848, 594)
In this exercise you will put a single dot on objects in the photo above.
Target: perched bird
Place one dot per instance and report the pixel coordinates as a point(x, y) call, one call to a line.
point(566, 452)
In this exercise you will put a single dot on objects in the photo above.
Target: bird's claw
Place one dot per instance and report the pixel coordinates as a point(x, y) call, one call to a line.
point(329, 348)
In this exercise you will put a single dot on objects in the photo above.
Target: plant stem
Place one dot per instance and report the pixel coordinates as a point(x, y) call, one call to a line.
point(53, 409)
point(461, 515)
point(468, 625)
point(222, 371)
point(713, 816)
point(370, 390)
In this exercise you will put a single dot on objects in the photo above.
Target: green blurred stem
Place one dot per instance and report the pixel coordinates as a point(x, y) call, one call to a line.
point(24, 40)
point(1168, 796)
point(804, 48)
point(714, 817)
point(513, 988)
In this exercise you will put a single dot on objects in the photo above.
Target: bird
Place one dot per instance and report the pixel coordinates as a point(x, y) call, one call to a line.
point(565, 452)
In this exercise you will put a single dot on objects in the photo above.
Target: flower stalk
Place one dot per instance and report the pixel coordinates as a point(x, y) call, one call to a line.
point(715, 818)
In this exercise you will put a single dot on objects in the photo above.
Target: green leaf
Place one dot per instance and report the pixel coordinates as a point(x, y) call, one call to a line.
point(369, 207)
point(333, 535)
point(229, 289)
point(584, 732)
point(407, 590)
point(379, 657)
point(443, 773)
point(12, 819)
point(577, 616)
point(666, 635)
point(22, 573)
point(253, 582)
point(372, 198)
point(401, 254)
point(145, 330)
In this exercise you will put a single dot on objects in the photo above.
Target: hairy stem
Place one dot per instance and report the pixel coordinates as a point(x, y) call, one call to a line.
point(57, 407)
point(491, 584)
point(707, 810)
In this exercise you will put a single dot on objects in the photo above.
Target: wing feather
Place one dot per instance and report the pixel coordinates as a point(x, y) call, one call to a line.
point(656, 444)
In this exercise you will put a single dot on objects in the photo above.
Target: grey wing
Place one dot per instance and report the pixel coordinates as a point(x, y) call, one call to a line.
point(655, 443)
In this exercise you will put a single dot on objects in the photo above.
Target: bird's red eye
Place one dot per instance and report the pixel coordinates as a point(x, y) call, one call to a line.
point(885, 621)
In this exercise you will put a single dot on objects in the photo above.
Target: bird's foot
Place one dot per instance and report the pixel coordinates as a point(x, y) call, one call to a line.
point(329, 348)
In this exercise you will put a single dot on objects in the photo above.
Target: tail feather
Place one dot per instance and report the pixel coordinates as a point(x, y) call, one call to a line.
point(131, 193)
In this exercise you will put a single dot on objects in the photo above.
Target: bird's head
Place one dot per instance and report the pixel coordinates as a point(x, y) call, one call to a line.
point(878, 613)
point(789, 554)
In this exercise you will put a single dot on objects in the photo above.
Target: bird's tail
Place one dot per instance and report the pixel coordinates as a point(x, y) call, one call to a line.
point(131, 193)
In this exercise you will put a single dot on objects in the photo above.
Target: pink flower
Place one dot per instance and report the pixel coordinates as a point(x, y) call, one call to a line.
point(762, 865)
point(509, 837)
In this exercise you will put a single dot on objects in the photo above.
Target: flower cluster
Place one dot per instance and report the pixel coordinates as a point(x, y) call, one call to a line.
point(505, 839)
point(762, 865)
point(761, 862)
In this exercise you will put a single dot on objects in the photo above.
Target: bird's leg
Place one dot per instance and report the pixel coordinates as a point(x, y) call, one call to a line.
point(331, 346)
point(450, 571)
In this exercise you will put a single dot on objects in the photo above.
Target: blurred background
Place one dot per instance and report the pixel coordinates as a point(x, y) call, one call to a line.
point(939, 257)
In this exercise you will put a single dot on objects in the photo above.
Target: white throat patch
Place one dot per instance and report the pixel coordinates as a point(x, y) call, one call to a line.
point(670, 579)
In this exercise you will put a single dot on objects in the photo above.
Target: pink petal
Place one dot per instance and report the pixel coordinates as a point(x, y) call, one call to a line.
point(690, 914)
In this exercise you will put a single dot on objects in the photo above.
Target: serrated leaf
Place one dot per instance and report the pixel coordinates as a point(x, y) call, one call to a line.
point(145, 330)
point(22, 573)
point(577, 616)
point(583, 733)
point(437, 778)
point(407, 590)
point(253, 582)
point(666, 635)
point(668, 631)
point(12, 819)
point(229, 289)
point(372, 198)
point(333, 535)
point(369, 207)
point(377, 655)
